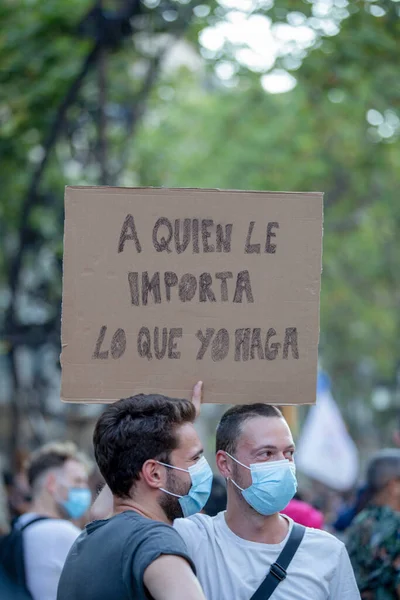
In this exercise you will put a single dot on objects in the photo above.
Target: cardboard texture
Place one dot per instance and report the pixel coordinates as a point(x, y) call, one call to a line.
point(165, 287)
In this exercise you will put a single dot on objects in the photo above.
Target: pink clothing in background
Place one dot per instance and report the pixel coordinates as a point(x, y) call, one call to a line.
point(304, 514)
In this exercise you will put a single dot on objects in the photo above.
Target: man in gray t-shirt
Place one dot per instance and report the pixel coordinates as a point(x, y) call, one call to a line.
point(110, 557)
point(149, 454)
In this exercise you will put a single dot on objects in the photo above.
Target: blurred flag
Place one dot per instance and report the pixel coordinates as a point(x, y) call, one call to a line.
point(326, 451)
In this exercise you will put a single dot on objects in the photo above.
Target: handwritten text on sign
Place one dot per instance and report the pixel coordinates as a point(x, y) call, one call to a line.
point(196, 236)
point(162, 288)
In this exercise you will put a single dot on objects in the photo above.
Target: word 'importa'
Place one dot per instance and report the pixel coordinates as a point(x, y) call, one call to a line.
point(143, 287)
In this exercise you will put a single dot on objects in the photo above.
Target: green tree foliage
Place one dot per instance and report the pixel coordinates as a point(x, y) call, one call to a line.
point(337, 131)
point(74, 83)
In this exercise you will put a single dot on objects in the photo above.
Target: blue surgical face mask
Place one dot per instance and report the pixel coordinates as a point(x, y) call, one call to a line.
point(201, 476)
point(77, 503)
point(273, 485)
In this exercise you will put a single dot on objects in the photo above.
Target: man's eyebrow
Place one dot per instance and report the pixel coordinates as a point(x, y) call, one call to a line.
point(263, 447)
point(271, 447)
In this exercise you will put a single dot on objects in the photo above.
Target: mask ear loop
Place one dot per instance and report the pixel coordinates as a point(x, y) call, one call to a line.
point(238, 461)
point(234, 483)
point(171, 467)
point(230, 478)
point(170, 493)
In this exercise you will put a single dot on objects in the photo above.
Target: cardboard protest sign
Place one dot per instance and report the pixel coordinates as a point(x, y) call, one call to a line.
point(163, 288)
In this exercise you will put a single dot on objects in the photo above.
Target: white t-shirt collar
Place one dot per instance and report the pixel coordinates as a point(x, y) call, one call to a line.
point(222, 525)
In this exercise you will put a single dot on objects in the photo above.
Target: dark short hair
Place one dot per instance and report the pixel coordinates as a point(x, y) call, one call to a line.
point(230, 426)
point(383, 467)
point(50, 456)
point(134, 430)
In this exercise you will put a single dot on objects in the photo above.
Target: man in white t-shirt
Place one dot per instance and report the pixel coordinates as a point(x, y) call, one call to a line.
point(59, 481)
point(233, 552)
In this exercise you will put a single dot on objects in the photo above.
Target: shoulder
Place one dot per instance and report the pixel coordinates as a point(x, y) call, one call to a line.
point(140, 523)
point(321, 536)
point(317, 541)
point(329, 555)
point(198, 524)
point(196, 531)
point(61, 528)
point(148, 541)
point(144, 530)
point(50, 540)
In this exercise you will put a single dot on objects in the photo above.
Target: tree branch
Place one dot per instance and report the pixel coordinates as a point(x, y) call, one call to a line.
point(32, 195)
point(177, 30)
point(140, 106)
point(102, 117)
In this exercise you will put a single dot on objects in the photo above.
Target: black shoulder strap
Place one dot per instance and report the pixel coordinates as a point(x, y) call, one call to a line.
point(277, 572)
point(35, 520)
point(12, 567)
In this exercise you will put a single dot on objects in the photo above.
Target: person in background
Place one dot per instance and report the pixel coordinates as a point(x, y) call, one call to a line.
point(86, 517)
point(347, 514)
point(304, 513)
point(18, 489)
point(374, 537)
point(59, 485)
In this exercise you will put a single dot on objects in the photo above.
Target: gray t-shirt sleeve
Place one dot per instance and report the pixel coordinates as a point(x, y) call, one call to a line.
point(156, 539)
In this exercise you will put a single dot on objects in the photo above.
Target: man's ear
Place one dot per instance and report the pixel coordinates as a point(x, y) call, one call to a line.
point(153, 474)
point(50, 483)
point(393, 487)
point(224, 464)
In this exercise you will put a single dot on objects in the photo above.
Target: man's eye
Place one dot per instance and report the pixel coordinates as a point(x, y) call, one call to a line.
point(267, 453)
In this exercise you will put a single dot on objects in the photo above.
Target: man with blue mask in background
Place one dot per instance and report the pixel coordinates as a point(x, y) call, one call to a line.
point(234, 551)
point(151, 458)
point(58, 477)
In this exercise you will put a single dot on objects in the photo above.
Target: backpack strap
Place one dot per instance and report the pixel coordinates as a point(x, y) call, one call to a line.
point(35, 520)
point(12, 566)
point(278, 570)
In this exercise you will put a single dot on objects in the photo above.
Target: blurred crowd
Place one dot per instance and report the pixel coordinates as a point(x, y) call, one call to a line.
point(61, 482)
point(316, 506)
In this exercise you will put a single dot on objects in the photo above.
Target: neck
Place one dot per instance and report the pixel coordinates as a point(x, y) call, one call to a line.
point(45, 507)
point(248, 524)
point(145, 507)
point(384, 499)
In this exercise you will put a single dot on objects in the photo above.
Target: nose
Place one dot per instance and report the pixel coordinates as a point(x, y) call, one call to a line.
point(84, 485)
point(280, 456)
